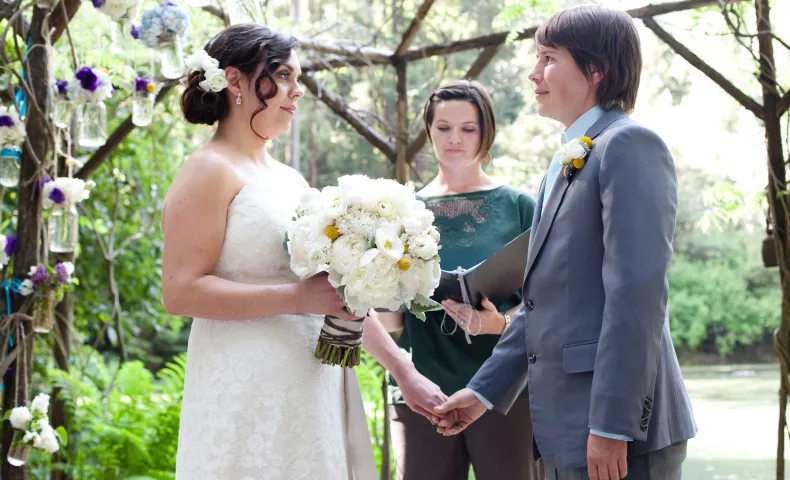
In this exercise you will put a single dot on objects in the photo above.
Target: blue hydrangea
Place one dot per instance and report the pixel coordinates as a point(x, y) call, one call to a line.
point(163, 23)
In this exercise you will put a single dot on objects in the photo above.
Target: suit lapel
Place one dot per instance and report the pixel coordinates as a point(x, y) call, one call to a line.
point(547, 219)
point(543, 223)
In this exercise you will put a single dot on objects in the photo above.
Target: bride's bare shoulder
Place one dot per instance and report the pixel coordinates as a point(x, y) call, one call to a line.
point(208, 174)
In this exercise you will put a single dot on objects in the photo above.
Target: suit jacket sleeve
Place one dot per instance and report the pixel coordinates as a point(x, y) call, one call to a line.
point(503, 376)
point(638, 189)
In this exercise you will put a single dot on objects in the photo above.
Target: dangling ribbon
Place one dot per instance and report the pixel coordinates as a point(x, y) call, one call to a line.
point(9, 286)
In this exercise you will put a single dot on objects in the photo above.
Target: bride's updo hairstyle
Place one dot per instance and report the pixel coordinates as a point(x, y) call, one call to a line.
point(244, 47)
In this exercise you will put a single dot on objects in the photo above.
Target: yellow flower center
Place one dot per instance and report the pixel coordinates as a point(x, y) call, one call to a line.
point(331, 232)
point(71, 162)
point(388, 245)
point(150, 87)
point(578, 163)
point(586, 140)
point(404, 264)
point(405, 249)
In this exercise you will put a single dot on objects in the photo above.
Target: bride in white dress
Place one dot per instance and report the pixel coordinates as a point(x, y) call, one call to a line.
point(257, 404)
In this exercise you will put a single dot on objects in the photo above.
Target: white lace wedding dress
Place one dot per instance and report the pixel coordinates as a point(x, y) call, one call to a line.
point(257, 404)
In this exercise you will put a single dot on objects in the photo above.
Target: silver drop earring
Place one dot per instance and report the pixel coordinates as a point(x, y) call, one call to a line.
point(238, 98)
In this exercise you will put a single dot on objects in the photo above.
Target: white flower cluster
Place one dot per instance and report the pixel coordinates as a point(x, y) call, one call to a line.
point(119, 9)
point(65, 192)
point(377, 242)
point(34, 423)
point(90, 90)
point(12, 129)
point(572, 150)
point(215, 80)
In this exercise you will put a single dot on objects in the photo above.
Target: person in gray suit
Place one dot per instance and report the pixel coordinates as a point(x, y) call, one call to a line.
point(606, 392)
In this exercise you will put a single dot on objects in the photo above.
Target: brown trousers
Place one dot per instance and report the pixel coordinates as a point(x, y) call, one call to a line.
point(498, 447)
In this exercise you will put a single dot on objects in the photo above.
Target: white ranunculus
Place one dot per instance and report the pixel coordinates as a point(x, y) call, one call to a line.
point(26, 288)
point(385, 208)
point(20, 417)
point(334, 209)
point(423, 246)
point(215, 80)
point(388, 242)
point(346, 252)
point(40, 404)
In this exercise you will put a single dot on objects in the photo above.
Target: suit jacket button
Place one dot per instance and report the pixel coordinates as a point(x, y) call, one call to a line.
point(532, 357)
point(529, 304)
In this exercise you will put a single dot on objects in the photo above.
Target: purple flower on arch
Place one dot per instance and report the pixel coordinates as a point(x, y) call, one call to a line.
point(11, 245)
point(88, 79)
point(6, 121)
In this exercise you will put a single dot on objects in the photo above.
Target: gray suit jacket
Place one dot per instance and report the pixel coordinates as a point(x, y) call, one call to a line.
point(593, 328)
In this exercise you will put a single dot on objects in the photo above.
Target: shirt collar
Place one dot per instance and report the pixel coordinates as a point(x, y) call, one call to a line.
point(582, 124)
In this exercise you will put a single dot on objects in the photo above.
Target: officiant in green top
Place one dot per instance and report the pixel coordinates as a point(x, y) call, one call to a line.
point(476, 217)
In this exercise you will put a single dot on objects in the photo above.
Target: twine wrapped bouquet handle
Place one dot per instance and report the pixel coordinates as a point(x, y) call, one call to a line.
point(340, 342)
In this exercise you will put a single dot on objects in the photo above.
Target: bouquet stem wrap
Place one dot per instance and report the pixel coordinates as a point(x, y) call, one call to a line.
point(340, 342)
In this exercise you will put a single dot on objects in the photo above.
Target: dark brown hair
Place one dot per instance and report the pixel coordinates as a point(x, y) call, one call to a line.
point(600, 39)
point(245, 47)
point(473, 92)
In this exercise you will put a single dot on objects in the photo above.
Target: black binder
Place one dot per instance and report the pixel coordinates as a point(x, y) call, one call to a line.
point(497, 277)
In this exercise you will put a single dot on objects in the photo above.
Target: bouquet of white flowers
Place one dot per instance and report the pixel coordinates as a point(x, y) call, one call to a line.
point(32, 429)
point(380, 248)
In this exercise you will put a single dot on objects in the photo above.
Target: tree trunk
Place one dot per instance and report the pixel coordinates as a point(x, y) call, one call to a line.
point(29, 223)
point(64, 314)
point(402, 118)
point(777, 187)
point(313, 152)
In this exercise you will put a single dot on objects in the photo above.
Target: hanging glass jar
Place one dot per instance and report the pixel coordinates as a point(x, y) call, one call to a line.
point(142, 109)
point(172, 58)
point(93, 125)
point(63, 227)
point(9, 166)
point(19, 451)
point(116, 32)
point(44, 312)
point(61, 113)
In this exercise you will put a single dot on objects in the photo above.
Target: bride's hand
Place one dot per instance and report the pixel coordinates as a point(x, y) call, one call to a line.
point(485, 321)
point(317, 295)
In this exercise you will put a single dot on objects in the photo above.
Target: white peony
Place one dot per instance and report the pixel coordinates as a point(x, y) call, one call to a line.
point(20, 417)
point(40, 403)
point(69, 267)
point(412, 226)
point(201, 61)
point(47, 440)
point(346, 253)
point(375, 282)
point(215, 80)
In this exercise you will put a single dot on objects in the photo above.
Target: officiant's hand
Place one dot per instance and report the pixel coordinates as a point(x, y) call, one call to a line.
point(606, 458)
point(486, 321)
point(467, 408)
